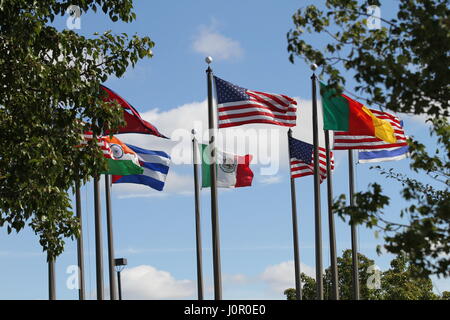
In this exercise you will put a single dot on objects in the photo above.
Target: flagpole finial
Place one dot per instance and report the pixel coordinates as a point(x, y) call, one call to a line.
point(314, 67)
point(208, 59)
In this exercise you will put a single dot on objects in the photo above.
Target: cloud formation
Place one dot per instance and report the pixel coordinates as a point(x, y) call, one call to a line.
point(266, 143)
point(145, 282)
point(282, 276)
point(209, 42)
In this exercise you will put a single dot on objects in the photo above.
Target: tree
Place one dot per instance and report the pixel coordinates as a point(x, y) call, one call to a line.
point(396, 283)
point(399, 283)
point(345, 274)
point(50, 91)
point(403, 67)
point(308, 289)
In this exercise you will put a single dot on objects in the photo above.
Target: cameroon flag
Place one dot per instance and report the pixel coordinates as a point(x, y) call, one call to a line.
point(341, 113)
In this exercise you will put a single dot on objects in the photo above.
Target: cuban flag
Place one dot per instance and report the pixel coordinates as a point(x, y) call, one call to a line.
point(155, 165)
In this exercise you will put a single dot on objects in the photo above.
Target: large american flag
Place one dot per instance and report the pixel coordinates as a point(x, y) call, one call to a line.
point(346, 141)
point(238, 106)
point(302, 159)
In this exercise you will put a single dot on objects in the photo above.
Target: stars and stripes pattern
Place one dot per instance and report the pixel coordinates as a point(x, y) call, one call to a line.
point(302, 159)
point(346, 141)
point(104, 145)
point(238, 106)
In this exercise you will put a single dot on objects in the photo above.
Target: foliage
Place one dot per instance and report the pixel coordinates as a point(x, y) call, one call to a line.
point(403, 66)
point(396, 283)
point(400, 66)
point(50, 90)
point(425, 239)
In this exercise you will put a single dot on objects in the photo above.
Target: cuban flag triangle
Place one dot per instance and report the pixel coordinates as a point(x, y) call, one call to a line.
point(155, 165)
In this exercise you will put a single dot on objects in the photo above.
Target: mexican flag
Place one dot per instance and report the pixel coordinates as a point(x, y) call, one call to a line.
point(122, 160)
point(232, 171)
point(341, 113)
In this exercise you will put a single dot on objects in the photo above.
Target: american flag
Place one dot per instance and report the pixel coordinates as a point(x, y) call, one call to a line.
point(101, 142)
point(302, 159)
point(238, 106)
point(346, 141)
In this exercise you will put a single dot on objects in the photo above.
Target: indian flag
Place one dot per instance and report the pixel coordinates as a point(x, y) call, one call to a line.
point(233, 171)
point(124, 161)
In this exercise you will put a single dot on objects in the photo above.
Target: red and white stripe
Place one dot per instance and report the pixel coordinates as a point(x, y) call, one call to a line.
point(101, 142)
point(261, 108)
point(301, 169)
point(346, 141)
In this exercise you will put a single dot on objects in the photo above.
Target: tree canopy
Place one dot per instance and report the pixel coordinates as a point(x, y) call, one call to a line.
point(50, 90)
point(401, 66)
point(396, 283)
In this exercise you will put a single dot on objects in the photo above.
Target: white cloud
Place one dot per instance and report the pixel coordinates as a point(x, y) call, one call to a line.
point(271, 179)
point(282, 276)
point(146, 282)
point(235, 278)
point(179, 122)
point(269, 152)
point(210, 42)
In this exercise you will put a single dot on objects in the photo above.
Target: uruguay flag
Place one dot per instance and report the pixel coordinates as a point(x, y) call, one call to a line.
point(155, 165)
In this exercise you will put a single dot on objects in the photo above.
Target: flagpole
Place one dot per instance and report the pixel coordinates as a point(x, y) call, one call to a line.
point(333, 258)
point(51, 279)
point(355, 272)
point(98, 239)
point(318, 219)
point(80, 247)
point(214, 209)
point(198, 236)
point(298, 284)
point(109, 228)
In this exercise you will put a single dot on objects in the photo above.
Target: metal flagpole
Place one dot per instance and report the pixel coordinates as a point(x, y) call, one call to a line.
point(351, 175)
point(318, 219)
point(333, 258)
point(98, 239)
point(109, 228)
point(214, 209)
point(198, 236)
point(119, 284)
point(51, 279)
point(80, 249)
point(298, 284)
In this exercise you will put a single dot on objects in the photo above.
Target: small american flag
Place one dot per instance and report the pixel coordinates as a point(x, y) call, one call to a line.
point(101, 142)
point(238, 106)
point(302, 159)
point(346, 141)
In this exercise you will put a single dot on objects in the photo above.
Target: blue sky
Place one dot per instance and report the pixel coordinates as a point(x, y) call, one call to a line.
point(156, 231)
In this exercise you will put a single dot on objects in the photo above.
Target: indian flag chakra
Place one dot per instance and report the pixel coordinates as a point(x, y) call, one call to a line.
point(233, 171)
point(124, 160)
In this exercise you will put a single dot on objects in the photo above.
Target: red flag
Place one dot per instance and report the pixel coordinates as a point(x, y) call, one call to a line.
point(135, 123)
